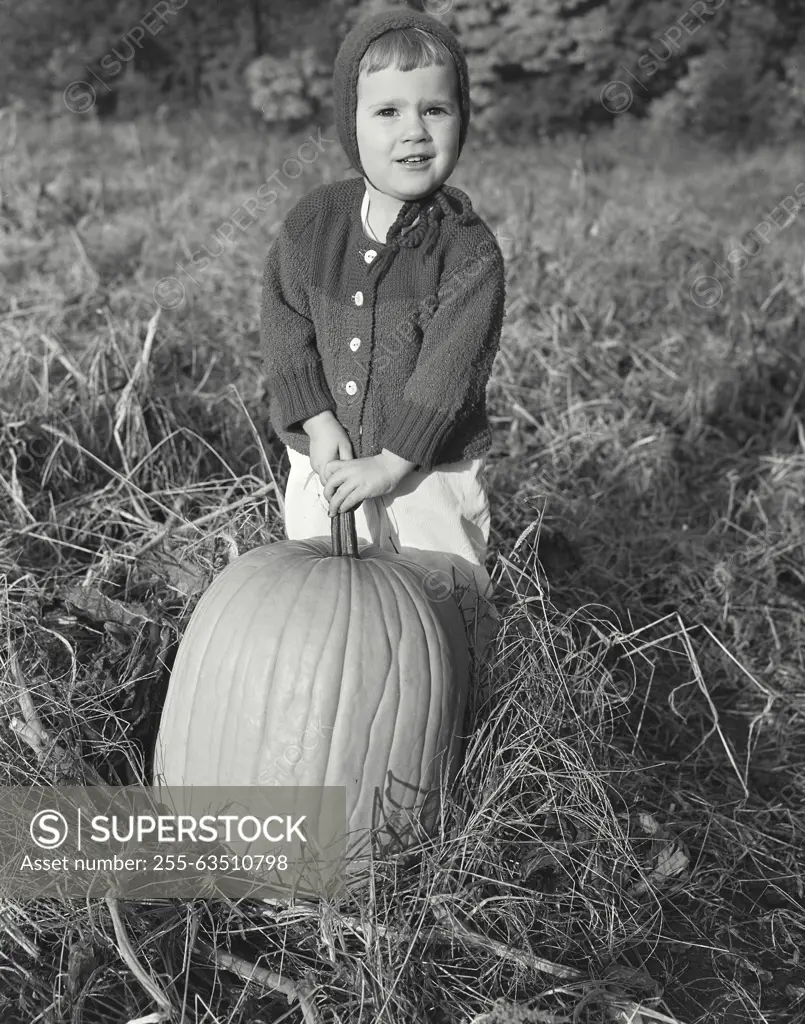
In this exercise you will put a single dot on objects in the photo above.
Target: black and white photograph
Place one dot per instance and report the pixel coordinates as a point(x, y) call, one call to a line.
point(402, 511)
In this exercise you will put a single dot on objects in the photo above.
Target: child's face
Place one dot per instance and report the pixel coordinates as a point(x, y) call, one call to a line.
point(402, 112)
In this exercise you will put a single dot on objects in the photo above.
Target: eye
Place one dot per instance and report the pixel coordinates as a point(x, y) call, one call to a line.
point(440, 109)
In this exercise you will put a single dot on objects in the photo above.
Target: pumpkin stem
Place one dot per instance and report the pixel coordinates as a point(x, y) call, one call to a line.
point(344, 535)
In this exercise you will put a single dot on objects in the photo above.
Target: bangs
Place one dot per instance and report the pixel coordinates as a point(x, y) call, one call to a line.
point(404, 49)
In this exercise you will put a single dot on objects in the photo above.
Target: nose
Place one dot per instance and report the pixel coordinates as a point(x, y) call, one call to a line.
point(414, 129)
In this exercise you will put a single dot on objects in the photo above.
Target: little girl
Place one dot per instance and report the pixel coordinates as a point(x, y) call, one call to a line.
point(381, 314)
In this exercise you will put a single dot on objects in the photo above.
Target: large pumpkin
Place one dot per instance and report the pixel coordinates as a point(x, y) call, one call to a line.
point(307, 663)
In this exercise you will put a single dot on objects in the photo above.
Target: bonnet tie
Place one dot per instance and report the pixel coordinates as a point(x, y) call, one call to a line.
point(431, 210)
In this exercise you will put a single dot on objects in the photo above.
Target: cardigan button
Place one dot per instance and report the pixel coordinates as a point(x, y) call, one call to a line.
point(350, 387)
point(358, 298)
point(369, 255)
point(355, 344)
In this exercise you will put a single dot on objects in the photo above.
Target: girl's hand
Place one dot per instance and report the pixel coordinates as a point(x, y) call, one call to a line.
point(351, 483)
point(328, 443)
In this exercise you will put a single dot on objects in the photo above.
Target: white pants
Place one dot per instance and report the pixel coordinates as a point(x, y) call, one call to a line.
point(438, 518)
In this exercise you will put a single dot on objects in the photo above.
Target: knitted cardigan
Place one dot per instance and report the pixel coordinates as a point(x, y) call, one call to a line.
point(397, 340)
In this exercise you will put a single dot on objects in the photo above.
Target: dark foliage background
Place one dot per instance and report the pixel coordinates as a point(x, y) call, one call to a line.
point(728, 70)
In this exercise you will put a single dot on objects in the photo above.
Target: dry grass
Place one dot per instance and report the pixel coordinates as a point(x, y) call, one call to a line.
point(625, 842)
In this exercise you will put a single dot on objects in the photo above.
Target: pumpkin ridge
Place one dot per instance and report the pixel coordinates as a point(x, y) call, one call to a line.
point(197, 644)
point(241, 671)
point(402, 611)
point(228, 733)
point(337, 658)
point(427, 741)
point(307, 701)
point(279, 710)
point(243, 697)
point(441, 741)
point(410, 700)
point(373, 579)
point(345, 700)
point(176, 698)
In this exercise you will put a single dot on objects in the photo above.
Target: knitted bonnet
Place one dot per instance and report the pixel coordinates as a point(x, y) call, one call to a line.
point(431, 208)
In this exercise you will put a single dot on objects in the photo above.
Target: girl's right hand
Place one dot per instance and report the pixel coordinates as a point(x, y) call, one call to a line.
point(330, 442)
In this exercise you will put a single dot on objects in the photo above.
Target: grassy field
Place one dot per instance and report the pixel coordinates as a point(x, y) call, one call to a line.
point(626, 839)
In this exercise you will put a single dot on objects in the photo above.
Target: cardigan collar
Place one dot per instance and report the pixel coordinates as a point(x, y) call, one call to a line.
point(421, 225)
point(365, 225)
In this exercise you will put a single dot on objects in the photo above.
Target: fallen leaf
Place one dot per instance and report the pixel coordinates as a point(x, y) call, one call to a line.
point(671, 861)
point(90, 602)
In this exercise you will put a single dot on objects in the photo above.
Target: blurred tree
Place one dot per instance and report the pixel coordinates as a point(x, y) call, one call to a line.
point(30, 33)
point(748, 86)
point(291, 83)
point(194, 50)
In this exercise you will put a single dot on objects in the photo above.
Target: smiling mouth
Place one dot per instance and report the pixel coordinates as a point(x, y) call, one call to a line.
point(415, 160)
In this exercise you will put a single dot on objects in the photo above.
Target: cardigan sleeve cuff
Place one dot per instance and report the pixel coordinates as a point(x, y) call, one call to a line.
point(417, 434)
point(301, 396)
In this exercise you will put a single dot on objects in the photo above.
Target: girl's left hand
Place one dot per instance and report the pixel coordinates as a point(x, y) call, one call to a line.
point(350, 483)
